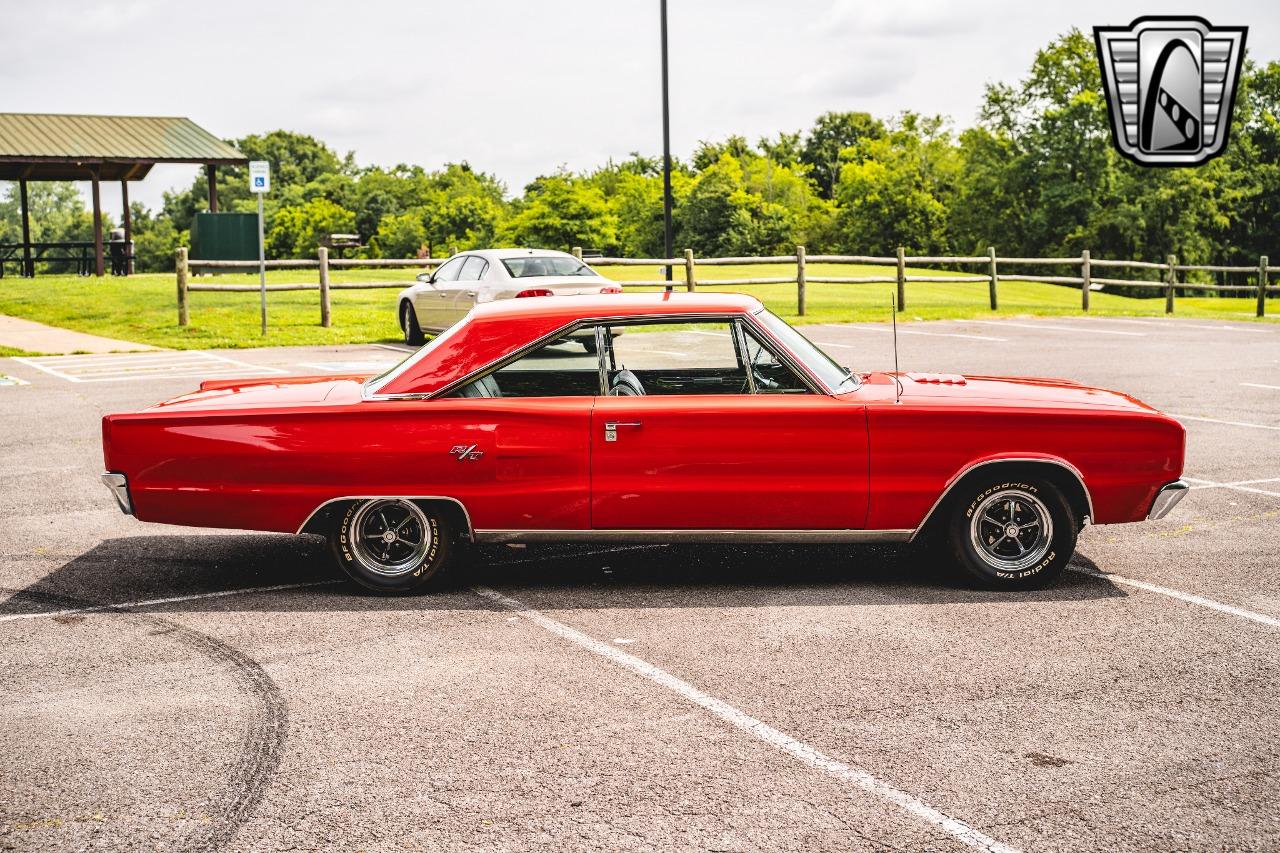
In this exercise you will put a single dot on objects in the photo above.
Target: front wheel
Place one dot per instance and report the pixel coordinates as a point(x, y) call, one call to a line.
point(392, 545)
point(1012, 533)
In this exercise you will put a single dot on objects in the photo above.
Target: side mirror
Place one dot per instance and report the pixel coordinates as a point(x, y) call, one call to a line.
point(426, 277)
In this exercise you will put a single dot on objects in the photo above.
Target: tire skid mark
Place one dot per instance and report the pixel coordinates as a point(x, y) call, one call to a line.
point(262, 745)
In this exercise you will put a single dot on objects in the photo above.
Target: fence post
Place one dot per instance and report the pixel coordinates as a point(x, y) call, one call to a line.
point(577, 252)
point(323, 254)
point(1171, 278)
point(1263, 263)
point(453, 250)
point(183, 319)
point(800, 280)
point(902, 278)
point(690, 284)
point(991, 253)
point(1086, 276)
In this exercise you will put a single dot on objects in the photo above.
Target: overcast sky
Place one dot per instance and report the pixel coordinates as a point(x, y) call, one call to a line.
point(520, 87)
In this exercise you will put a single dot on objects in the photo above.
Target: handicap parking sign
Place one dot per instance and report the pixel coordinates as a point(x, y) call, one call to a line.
point(259, 176)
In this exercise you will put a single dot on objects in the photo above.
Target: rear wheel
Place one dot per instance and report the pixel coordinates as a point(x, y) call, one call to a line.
point(1011, 533)
point(409, 322)
point(392, 545)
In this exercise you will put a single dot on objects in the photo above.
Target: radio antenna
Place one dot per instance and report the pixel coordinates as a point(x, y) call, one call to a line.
point(893, 316)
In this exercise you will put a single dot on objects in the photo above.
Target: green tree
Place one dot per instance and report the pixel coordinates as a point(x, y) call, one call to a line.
point(297, 231)
point(559, 212)
point(831, 134)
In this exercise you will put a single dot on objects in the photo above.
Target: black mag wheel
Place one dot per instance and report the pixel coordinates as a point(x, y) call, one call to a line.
point(1012, 533)
point(391, 544)
point(409, 322)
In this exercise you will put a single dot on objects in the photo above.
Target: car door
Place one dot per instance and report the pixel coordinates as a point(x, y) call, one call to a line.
point(465, 292)
point(433, 301)
point(704, 449)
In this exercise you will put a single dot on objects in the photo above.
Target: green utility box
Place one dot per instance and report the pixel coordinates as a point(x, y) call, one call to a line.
point(224, 237)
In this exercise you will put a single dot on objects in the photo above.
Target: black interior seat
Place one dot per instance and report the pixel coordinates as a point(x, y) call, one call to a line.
point(484, 387)
point(625, 384)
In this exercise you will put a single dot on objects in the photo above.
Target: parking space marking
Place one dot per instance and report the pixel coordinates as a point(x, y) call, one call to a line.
point(1188, 597)
point(797, 749)
point(1171, 324)
point(1043, 326)
point(133, 605)
point(1239, 486)
point(396, 347)
point(144, 365)
point(1260, 385)
point(1217, 421)
point(902, 331)
point(348, 366)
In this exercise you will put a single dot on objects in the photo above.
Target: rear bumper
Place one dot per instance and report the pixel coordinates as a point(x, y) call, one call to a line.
point(119, 486)
point(1167, 498)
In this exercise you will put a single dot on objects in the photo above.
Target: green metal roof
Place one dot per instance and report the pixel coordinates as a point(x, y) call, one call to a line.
point(41, 146)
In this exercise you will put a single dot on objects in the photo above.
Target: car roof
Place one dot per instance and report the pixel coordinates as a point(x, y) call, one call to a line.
point(507, 254)
point(494, 330)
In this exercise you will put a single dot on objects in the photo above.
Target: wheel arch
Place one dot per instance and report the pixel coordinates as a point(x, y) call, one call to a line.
point(1058, 471)
point(324, 516)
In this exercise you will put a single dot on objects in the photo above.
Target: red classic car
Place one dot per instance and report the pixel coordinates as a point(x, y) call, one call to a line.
point(727, 425)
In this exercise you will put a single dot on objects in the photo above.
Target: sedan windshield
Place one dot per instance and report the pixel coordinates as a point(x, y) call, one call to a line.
point(832, 375)
point(535, 267)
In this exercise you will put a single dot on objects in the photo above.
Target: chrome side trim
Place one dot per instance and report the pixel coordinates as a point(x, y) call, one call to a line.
point(706, 536)
point(466, 515)
point(1167, 498)
point(1066, 466)
point(119, 486)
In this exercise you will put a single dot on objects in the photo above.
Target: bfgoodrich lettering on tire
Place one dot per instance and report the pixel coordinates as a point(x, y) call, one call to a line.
point(1011, 532)
point(391, 544)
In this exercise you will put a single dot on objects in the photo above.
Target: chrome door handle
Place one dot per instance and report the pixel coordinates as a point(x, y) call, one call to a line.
point(471, 293)
point(611, 428)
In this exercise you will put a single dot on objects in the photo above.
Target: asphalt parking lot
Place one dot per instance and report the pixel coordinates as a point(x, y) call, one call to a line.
point(183, 689)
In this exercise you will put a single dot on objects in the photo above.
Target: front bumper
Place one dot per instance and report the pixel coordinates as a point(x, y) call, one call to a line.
point(119, 486)
point(1167, 498)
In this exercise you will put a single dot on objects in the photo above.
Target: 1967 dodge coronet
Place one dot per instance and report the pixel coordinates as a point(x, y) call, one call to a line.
point(732, 427)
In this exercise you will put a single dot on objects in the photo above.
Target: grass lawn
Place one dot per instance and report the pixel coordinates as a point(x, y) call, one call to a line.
point(143, 308)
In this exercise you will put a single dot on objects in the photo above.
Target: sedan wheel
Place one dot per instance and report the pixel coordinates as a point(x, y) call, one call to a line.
point(1013, 533)
point(409, 323)
point(391, 545)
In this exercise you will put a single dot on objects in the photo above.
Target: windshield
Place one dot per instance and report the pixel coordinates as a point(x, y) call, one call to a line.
point(535, 267)
point(832, 375)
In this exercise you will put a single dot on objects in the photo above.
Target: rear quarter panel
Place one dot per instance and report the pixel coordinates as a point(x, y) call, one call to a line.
point(269, 469)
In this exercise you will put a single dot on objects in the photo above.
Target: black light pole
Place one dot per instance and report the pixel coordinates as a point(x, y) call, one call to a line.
point(666, 148)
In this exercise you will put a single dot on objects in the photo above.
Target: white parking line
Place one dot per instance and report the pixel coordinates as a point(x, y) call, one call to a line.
point(1189, 598)
point(796, 749)
point(1044, 326)
point(145, 365)
point(132, 605)
point(1172, 324)
point(903, 331)
point(1260, 385)
point(1217, 421)
point(1240, 486)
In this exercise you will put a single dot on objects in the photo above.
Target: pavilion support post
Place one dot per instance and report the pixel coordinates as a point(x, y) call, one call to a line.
point(28, 266)
point(212, 171)
point(128, 228)
point(97, 226)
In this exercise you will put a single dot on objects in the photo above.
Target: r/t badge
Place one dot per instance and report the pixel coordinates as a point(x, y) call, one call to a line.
point(467, 452)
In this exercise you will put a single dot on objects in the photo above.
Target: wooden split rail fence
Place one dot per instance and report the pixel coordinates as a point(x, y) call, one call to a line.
point(992, 274)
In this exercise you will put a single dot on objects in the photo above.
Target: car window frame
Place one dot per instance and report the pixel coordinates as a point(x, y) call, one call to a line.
point(460, 260)
point(483, 265)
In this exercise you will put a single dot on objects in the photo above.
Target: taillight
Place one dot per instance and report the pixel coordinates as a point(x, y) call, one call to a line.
point(613, 288)
point(533, 291)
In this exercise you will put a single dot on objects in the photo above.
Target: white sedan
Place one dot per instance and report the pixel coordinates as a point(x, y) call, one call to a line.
point(444, 297)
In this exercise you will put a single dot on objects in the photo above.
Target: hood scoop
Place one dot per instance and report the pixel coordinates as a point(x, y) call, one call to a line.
point(937, 378)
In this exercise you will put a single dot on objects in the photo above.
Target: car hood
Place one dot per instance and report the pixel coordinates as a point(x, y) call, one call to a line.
point(1012, 391)
point(276, 392)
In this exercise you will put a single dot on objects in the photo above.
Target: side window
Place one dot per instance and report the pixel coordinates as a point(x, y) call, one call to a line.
point(473, 269)
point(563, 368)
point(675, 358)
point(769, 374)
point(450, 270)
